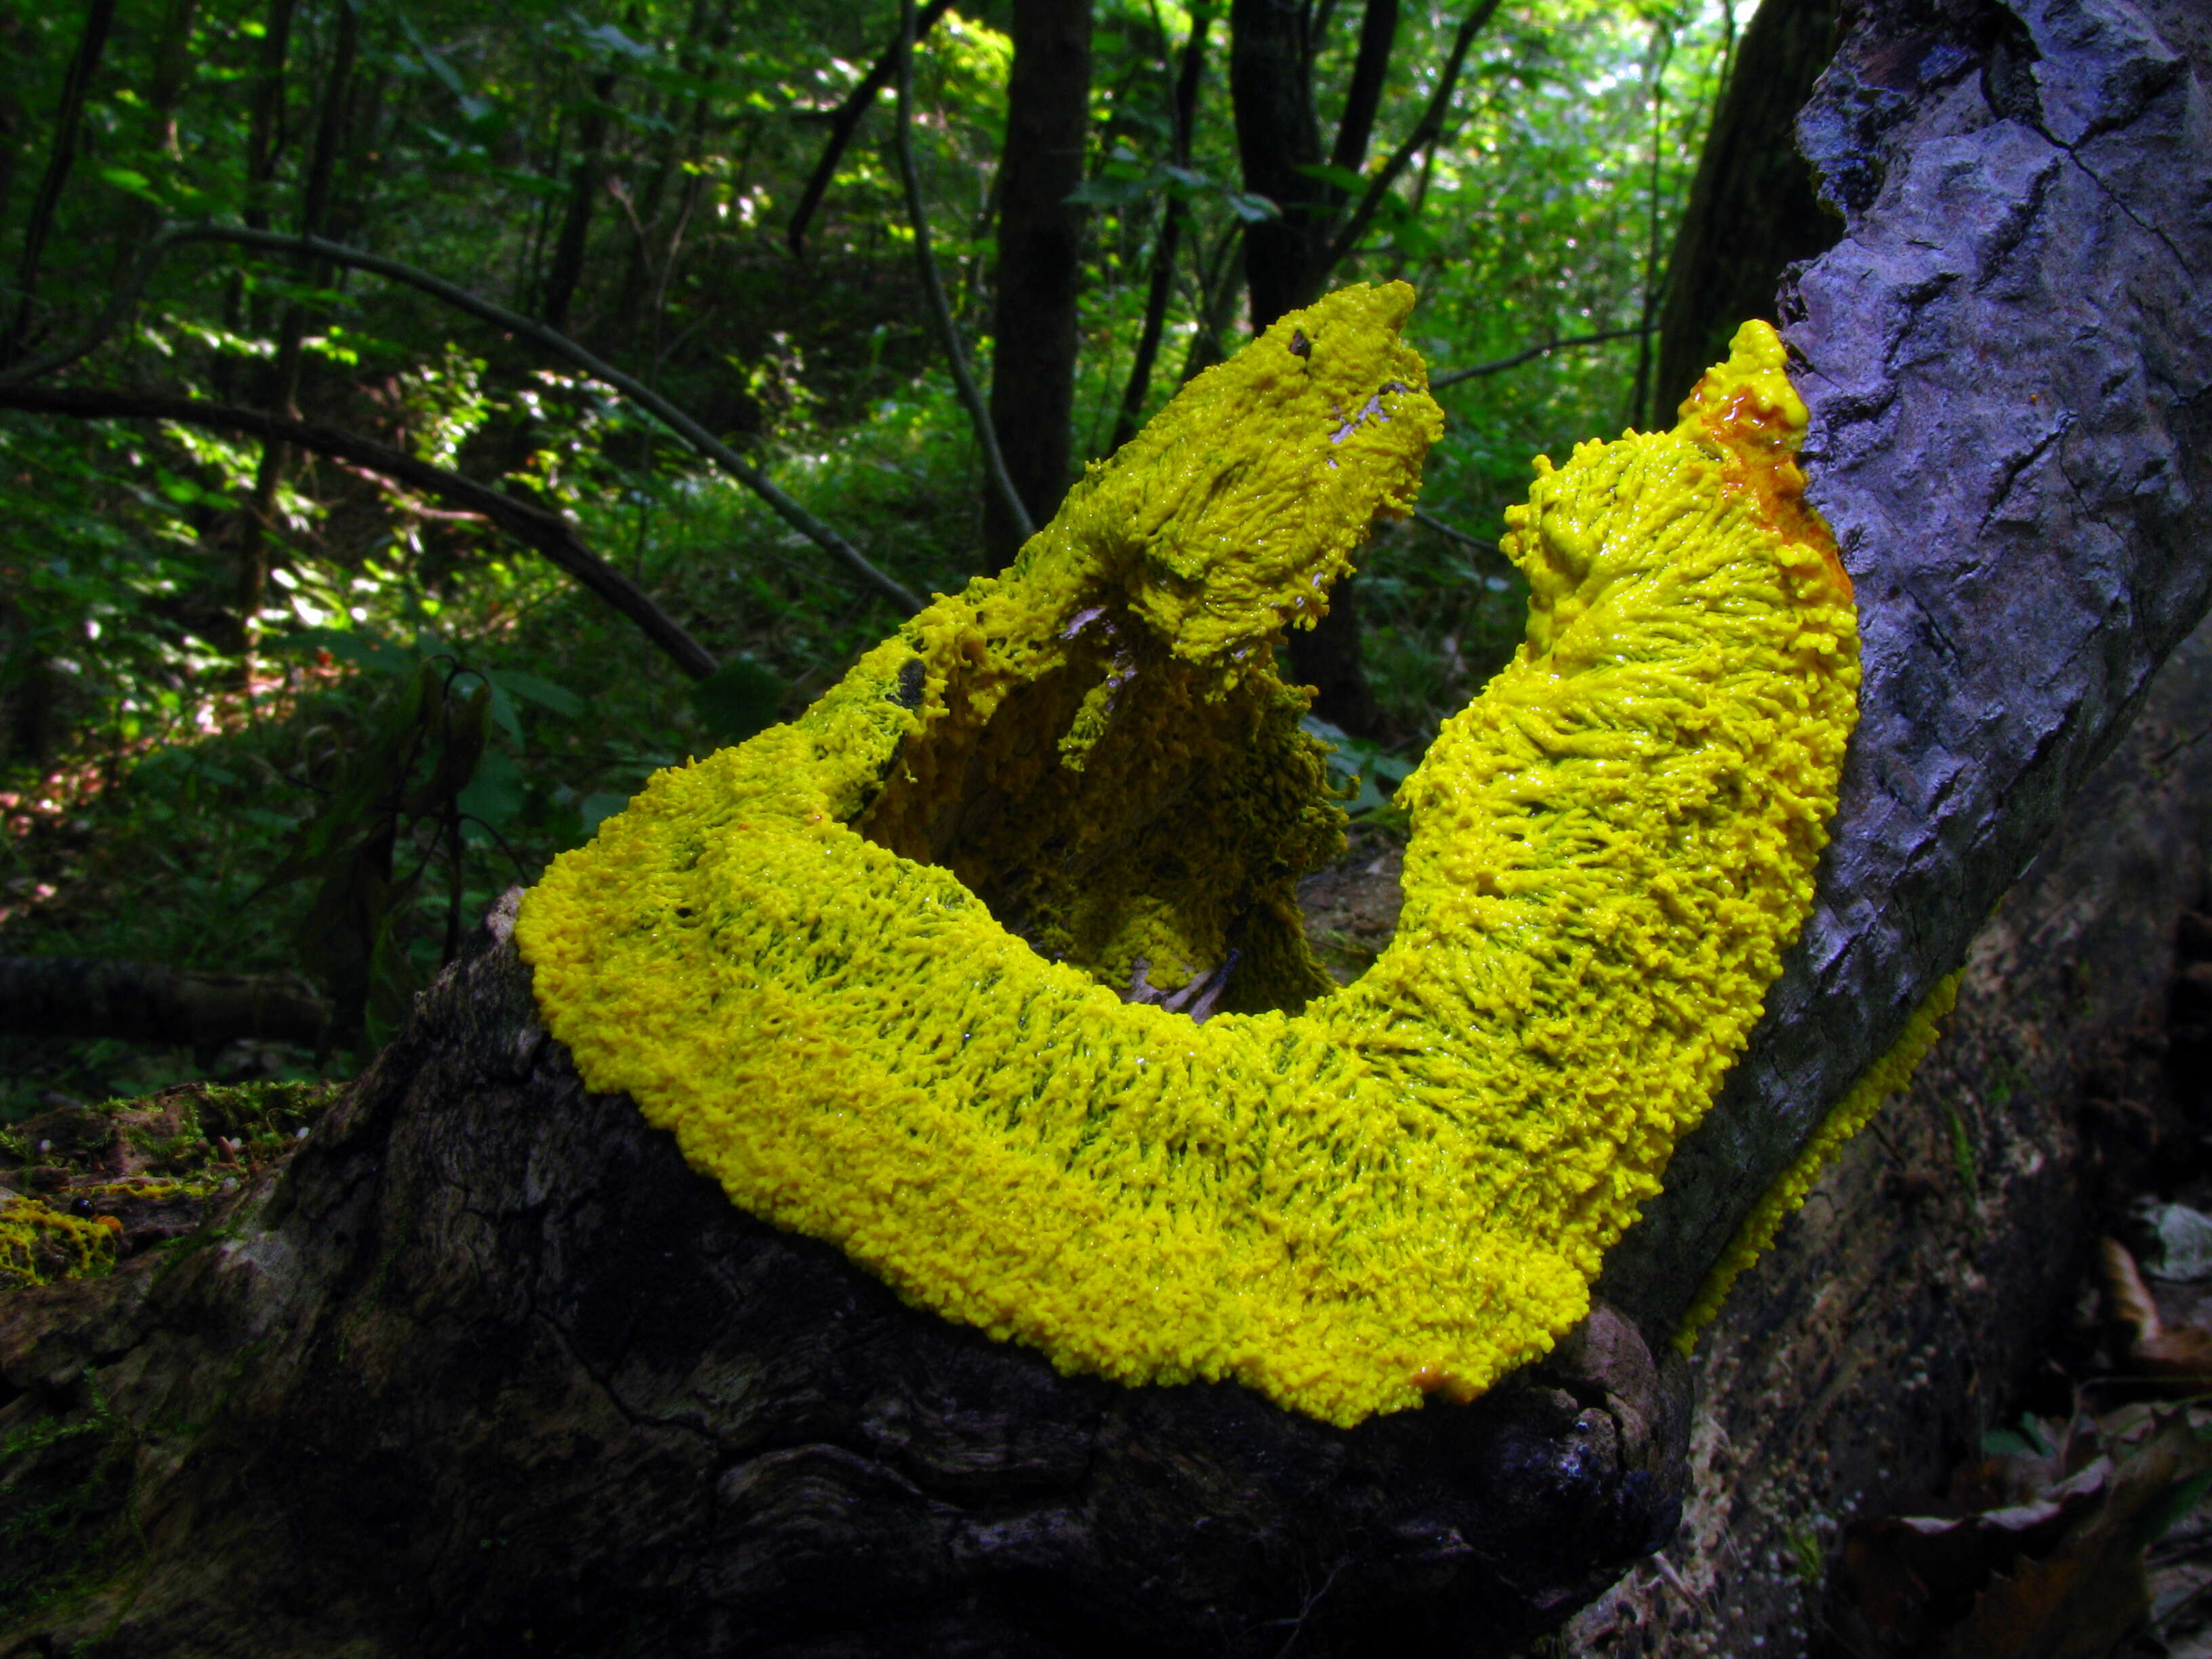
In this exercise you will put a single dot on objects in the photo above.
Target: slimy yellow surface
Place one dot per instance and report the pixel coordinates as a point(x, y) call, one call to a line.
point(866, 967)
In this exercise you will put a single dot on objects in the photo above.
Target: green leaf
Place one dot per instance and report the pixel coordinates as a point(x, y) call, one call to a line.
point(495, 795)
point(595, 808)
point(616, 41)
point(503, 712)
point(125, 179)
point(531, 688)
point(1252, 209)
point(2175, 1506)
point(738, 699)
point(1414, 240)
point(1343, 179)
point(1109, 189)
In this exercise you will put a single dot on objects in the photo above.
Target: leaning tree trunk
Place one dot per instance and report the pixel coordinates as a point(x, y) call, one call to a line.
point(484, 1369)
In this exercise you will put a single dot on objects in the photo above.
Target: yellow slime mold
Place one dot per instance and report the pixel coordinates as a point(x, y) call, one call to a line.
point(864, 966)
point(1887, 1076)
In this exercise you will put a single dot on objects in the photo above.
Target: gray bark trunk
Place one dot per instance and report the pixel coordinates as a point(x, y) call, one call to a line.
point(1918, 1301)
point(2008, 362)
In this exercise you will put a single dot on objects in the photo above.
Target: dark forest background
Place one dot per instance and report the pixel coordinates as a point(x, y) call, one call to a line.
point(392, 397)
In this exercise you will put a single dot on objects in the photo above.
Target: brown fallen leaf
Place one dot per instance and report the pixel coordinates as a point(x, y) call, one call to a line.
point(2085, 1598)
point(2180, 1353)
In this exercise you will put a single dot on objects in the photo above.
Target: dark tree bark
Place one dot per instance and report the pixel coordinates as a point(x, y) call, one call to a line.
point(1753, 210)
point(1040, 263)
point(2009, 365)
point(712, 1438)
point(1378, 29)
point(586, 178)
point(1277, 141)
point(1174, 219)
point(1287, 260)
point(68, 121)
point(486, 1371)
point(1907, 1310)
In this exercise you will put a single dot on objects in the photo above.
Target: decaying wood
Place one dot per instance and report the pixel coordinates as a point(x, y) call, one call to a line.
point(485, 1370)
point(1919, 1299)
point(153, 1002)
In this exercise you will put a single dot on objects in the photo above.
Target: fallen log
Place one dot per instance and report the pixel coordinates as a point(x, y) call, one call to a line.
point(154, 1002)
point(485, 1369)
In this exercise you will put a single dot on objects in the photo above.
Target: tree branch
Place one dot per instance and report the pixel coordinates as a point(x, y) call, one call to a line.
point(1378, 27)
point(1173, 215)
point(846, 121)
point(1453, 533)
point(153, 1002)
point(1426, 131)
point(1453, 377)
point(548, 533)
point(987, 436)
point(703, 442)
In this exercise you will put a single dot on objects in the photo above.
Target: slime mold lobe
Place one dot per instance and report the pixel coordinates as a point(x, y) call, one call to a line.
point(892, 1012)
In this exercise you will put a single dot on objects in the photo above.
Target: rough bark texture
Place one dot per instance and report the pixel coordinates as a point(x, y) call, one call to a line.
point(2009, 363)
point(1278, 137)
point(1905, 1310)
point(486, 1369)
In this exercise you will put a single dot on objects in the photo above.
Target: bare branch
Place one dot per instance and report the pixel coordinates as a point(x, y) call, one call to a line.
point(1426, 131)
point(702, 441)
point(548, 533)
point(846, 121)
point(1453, 533)
point(1453, 377)
point(987, 436)
point(153, 1002)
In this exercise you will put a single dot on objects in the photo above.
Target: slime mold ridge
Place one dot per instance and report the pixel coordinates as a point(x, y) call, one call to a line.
point(867, 966)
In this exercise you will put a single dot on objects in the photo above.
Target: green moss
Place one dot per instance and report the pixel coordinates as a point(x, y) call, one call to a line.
point(65, 1517)
point(90, 1175)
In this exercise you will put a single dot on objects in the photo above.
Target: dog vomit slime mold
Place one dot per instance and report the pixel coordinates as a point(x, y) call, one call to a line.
point(867, 967)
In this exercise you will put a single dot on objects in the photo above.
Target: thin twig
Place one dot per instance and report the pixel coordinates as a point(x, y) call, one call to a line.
point(548, 533)
point(704, 443)
point(1453, 377)
point(1453, 533)
point(1426, 131)
point(987, 436)
point(846, 120)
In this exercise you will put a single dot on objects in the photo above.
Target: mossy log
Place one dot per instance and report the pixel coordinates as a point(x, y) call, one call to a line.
point(484, 1369)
